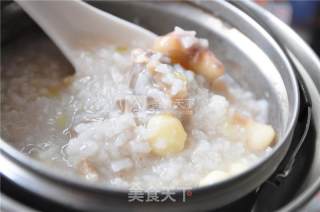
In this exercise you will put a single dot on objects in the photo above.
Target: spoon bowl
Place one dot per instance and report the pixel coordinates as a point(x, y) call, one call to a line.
point(74, 24)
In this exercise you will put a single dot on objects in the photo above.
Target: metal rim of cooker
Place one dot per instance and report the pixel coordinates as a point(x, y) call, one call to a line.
point(1, 150)
point(301, 55)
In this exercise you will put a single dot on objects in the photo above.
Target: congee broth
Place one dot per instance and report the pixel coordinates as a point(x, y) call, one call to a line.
point(167, 117)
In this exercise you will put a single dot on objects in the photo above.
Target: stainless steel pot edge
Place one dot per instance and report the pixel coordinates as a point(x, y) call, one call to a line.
point(304, 57)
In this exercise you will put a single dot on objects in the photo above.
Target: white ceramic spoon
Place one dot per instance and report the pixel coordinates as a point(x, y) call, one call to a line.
point(73, 23)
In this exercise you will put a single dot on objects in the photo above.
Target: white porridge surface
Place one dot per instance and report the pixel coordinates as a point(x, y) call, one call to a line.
point(130, 117)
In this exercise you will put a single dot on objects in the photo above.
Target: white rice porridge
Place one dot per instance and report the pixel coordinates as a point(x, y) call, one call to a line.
point(129, 118)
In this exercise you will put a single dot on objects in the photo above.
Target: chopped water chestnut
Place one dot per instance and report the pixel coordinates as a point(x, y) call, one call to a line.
point(237, 168)
point(213, 177)
point(166, 135)
point(206, 64)
point(171, 46)
point(257, 136)
point(260, 136)
point(192, 53)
